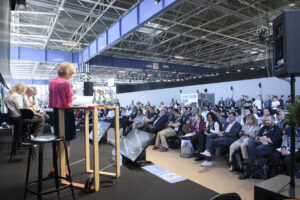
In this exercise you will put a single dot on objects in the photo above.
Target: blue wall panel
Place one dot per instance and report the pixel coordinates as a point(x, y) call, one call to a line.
point(85, 54)
point(14, 53)
point(168, 2)
point(32, 54)
point(58, 56)
point(147, 65)
point(113, 32)
point(129, 21)
point(80, 57)
point(75, 58)
point(29, 81)
point(93, 48)
point(102, 41)
point(148, 9)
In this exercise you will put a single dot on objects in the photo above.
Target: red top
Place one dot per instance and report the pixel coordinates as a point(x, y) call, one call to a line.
point(200, 129)
point(60, 93)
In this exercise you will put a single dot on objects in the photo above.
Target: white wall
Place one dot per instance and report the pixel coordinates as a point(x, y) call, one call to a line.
point(271, 86)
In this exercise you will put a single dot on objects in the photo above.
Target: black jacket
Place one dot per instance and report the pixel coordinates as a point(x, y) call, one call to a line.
point(161, 122)
point(234, 131)
point(274, 133)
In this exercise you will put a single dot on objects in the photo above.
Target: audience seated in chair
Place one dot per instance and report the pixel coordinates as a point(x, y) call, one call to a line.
point(159, 123)
point(249, 130)
point(280, 159)
point(223, 138)
point(267, 141)
point(173, 128)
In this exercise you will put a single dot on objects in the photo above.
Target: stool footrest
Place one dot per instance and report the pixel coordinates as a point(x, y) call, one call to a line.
point(50, 191)
point(47, 178)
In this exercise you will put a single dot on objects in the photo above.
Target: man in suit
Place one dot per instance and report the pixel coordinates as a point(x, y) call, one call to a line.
point(224, 138)
point(185, 115)
point(160, 122)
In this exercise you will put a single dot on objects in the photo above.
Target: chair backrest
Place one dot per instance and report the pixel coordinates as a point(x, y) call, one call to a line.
point(227, 196)
point(26, 114)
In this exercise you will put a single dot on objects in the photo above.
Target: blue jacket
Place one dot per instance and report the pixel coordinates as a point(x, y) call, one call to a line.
point(235, 130)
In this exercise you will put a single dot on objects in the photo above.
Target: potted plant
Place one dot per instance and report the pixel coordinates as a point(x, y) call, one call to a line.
point(293, 115)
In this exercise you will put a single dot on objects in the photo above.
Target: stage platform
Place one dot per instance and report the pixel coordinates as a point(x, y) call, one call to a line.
point(134, 183)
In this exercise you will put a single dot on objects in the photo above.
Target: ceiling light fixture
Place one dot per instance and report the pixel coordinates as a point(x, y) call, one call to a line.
point(157, 1)
point(292, 4)
point(179, 57)
point(21, 5)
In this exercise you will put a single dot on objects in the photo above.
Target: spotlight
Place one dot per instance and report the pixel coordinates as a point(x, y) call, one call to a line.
point(157, 1)
point(21, 5)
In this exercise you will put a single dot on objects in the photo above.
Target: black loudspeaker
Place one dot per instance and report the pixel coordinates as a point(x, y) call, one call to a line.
point(133, 146)
point(88, 89)
point(286, 32)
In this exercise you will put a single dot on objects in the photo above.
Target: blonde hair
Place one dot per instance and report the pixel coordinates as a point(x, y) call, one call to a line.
point(19, 88)
point(253, 118)
point(66, 68)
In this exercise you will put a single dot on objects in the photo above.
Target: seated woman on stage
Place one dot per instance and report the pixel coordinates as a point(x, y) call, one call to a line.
point(61, 95)
point(249, 130)
point(14, 101)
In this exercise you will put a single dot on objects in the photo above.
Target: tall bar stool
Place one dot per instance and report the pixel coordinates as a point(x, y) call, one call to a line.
point(40, 141)
point(19, 128)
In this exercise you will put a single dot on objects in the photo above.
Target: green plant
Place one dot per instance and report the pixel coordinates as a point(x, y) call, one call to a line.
point(293, 116)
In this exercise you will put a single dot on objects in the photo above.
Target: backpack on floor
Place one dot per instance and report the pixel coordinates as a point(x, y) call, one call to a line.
point(237, 162)
point(261, 169)
point(187, 149)
point(173, 142)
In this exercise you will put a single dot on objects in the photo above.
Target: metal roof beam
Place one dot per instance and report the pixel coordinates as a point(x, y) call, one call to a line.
point(53, 24)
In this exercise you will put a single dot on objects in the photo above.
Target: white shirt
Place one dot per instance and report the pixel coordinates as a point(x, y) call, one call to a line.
point(275, 104)
point(111, 114)
point(229, 126)
point(14, 103)
point(257, 103)
point(204, 113)
point(128, 112)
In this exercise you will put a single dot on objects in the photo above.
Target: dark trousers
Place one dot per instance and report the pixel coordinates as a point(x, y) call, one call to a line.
point(37, 122)
point(215, 140)
point(277, 160)
point(198, 142)
point(256, 148)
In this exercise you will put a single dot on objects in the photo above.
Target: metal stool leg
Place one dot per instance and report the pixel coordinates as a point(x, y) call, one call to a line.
point(40, 172)
point(55, 167)
point(69, 170)
point(27, 173)
point(13, 148)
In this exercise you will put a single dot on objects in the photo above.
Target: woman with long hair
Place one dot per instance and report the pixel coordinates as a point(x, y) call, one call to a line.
point(213, 125)
point(14, 101)
point(212, 130)
point(249, 130)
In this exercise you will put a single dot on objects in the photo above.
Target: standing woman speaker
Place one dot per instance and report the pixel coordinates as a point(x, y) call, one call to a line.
point(61, 95)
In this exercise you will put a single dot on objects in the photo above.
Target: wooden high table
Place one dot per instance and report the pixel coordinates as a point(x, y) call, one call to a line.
point(95, 170)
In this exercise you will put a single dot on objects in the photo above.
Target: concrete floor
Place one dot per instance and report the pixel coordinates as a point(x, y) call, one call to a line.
point(217, 178)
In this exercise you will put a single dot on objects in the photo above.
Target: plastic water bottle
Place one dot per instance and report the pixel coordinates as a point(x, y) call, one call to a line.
point(113, 154)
